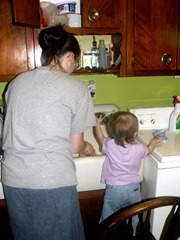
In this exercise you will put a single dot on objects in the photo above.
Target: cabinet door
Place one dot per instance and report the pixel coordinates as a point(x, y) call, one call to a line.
point(178, 53)
point(109, 12)
point(5, 230)
point(152, 37)
point(91, 203)
point(16, 48)
point(26, 12)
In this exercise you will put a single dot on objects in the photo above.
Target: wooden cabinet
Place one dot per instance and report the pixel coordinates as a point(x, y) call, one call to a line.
point(5, 230)
point(145, 30)
point(26, 12)
point(111, 20)
point(91, 203)
point(16, 48)
point(102, 14)
point(153, 35)
point(26, 54)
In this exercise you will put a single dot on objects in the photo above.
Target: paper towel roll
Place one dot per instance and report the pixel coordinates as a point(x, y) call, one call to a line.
point(74, 20)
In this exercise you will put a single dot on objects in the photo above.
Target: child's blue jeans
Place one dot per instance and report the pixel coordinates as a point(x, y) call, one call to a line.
point(117, 197)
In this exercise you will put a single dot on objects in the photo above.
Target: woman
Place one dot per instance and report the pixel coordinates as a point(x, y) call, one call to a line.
point(47, 111)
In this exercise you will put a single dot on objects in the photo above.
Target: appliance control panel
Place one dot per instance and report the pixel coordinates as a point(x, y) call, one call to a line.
point(152, 118)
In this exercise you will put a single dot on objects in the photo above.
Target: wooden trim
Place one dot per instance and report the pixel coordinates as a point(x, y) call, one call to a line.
point(2, 203)
point(91, 194)
point(130, 38)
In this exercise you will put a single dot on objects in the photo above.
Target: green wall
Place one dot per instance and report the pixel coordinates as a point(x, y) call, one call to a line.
point(2, 86)
point(135, 92)
point(132, 92)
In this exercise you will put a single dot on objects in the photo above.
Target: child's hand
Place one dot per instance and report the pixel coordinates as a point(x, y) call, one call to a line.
point(97, 131)
point(98, 120)
point(156, 140)
point(153, 142)
point(159, 139)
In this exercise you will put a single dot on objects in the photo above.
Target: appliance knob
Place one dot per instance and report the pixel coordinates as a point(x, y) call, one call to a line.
point(153, 121)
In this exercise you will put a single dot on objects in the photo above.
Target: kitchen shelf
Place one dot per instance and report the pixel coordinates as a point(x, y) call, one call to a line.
point(91, 71)
point(93, 31)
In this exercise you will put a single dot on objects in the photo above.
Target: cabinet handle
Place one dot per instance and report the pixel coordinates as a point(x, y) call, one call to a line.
point(166, 59)
point(93, 15)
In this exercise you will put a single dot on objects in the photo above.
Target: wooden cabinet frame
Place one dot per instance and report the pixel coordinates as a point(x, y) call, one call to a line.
point(140, 58)
point(26, 12)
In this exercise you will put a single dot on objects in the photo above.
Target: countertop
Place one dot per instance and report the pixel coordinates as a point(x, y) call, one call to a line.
point(165, 152)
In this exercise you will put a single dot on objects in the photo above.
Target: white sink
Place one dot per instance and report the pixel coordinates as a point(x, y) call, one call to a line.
point(88, 169)
point(88, 172)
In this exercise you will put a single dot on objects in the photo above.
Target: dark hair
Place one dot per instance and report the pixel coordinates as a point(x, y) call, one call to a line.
point(122, 127)
point(55, 42)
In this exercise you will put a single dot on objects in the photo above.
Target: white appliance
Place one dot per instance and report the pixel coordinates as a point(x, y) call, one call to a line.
point(161, 169)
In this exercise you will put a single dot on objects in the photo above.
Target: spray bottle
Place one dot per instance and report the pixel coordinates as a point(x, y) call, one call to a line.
point(174, 121)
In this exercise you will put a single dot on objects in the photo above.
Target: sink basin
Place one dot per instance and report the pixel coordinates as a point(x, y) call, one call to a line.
point(88, 172)
point(88, 169)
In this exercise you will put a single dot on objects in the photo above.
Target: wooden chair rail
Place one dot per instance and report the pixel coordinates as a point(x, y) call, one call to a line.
point(117, 227)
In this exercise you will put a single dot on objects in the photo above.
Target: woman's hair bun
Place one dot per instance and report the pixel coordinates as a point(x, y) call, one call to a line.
point(52, 37)
point(55, 43)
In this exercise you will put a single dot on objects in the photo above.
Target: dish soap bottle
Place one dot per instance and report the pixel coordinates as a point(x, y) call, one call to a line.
point(102, 55)
point(174, 121)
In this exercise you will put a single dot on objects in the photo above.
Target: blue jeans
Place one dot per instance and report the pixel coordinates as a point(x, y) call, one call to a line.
point(117, 197)
point(45, 214)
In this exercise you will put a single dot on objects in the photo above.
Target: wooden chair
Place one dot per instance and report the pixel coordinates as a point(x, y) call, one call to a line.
point(117, 227)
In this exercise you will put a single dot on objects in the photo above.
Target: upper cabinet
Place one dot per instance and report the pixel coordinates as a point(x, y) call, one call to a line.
point(16, 48)
point(20, 25)
point(153, 40)
point(107, 17)
point(147, 34)
point(26, 12)
point(102, 14)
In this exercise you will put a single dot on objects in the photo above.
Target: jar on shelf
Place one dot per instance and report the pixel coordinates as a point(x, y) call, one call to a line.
point(86, 59)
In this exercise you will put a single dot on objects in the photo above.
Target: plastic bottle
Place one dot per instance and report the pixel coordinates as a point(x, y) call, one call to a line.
point(94, 54)
point(111, 52)
point(102, 55)
point(107, 59)
point(174, 121)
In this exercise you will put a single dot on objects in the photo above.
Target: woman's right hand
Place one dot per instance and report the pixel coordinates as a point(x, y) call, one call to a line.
point(88, 150)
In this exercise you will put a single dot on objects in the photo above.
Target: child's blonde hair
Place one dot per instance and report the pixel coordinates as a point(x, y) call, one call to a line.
point(122, 127)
